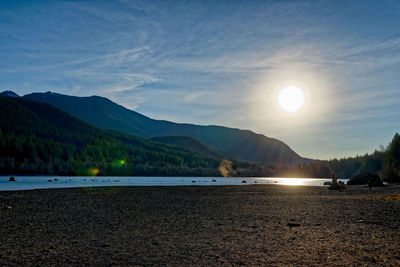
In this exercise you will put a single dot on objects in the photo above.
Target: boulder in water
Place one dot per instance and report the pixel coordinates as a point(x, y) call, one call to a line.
point(12, 179)
point(327, 183)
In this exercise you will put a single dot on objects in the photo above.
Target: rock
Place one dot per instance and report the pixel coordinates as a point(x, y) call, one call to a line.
point(244, 182)
point(376, 183)
point(214, 180)
point(336, 186)
point(49, 181)
point(293, 225)
point(12, 179)
point(55, 179)
point(363, 179)
point(327, 183)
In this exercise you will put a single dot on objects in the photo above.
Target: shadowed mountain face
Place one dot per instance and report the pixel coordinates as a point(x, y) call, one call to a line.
point(189, 143)
point(9, 94)
point(40, 138)
point(240, 144)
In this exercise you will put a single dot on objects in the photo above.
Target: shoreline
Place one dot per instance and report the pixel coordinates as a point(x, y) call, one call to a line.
point(364, 187)
point(200, 225)
point(42, 182)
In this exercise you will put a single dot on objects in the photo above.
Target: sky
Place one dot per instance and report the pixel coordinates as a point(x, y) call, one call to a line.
point(219, 63)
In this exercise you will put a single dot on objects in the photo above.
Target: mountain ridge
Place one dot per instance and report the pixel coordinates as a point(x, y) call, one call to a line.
point(9, 94)
point(237, 143)
point(40, 138)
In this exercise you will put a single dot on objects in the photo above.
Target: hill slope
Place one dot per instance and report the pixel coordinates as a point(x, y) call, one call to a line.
point(189, 143)
point(39, 138)
point(9, 93)
point(240, 144)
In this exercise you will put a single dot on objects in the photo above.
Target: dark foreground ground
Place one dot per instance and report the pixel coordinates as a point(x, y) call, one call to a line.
point(237, 225)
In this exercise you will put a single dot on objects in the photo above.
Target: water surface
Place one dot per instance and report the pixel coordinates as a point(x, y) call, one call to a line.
point(43, 182)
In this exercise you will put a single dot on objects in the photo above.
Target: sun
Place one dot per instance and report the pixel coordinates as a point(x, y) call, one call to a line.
point(291, 99)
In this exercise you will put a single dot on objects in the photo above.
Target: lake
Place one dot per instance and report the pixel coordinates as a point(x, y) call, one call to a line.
point(44, 182)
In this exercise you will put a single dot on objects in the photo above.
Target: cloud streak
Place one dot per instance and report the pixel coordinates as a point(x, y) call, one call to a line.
point(216, 62)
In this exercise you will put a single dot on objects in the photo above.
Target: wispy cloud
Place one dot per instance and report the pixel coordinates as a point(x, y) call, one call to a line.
point(215, 62)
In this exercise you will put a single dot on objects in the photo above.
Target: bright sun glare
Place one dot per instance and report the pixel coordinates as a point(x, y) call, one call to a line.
point(291, 99)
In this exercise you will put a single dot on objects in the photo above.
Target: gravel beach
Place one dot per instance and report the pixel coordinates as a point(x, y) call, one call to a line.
point(208, 226)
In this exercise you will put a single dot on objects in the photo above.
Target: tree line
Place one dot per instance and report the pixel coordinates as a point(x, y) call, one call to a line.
point(384, 162)
point(37, 138)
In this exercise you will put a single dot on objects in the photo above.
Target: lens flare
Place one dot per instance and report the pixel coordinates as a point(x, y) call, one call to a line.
point(118, 163)
point(93, 171)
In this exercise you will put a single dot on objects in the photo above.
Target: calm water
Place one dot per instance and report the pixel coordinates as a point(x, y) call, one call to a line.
point(41, 182)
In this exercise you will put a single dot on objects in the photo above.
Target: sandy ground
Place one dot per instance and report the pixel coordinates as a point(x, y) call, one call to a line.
point(208, 226)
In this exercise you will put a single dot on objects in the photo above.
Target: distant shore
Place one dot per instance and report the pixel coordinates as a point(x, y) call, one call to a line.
point(224, 225)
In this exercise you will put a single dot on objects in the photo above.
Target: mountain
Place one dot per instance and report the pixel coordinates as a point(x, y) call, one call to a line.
point(239, 144)
point(189, 143)
point(40, 138)
point(9, 93)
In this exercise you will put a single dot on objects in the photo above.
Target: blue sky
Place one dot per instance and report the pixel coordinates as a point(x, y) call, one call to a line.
point(219, 62)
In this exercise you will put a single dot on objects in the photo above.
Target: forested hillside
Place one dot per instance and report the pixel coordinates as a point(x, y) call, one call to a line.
point(37, 138)
point(239, 144)
point(385, 162)
point(189, 143)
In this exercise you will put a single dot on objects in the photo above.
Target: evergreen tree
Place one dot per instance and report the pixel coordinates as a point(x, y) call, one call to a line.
point(392, 161)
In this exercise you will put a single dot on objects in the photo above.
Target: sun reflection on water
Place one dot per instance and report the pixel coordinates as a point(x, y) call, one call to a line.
point(293, 181)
